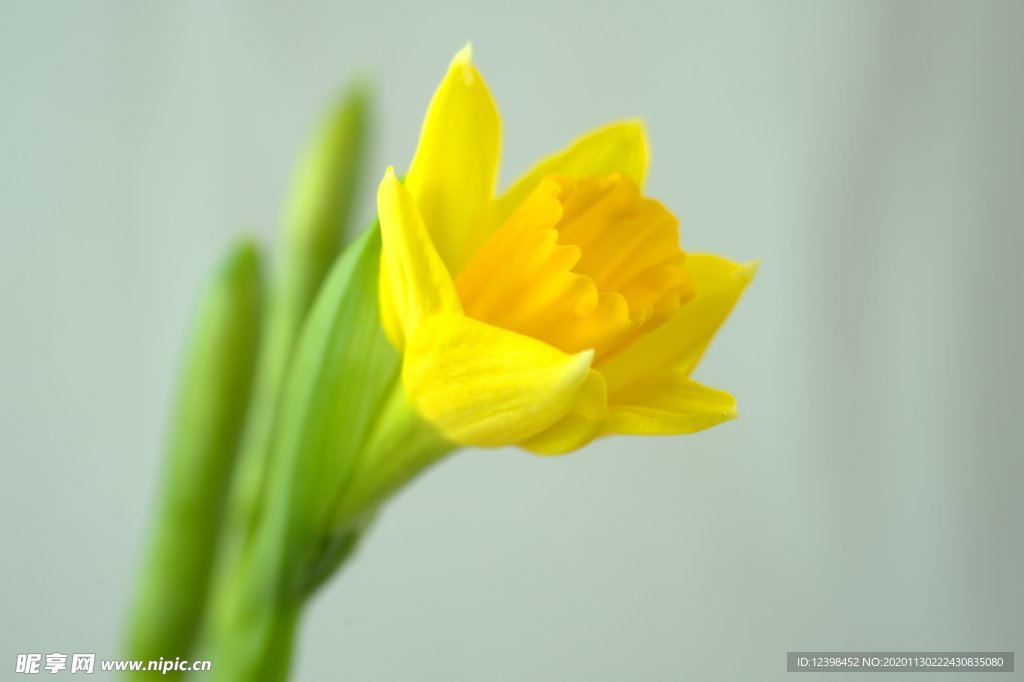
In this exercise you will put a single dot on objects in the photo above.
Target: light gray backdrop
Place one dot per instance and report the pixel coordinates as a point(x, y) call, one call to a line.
point(867, 498)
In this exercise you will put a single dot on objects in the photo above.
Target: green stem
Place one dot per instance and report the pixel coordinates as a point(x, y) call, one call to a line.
point(256, 646)
point(252, 641)
point(170, 600)
point(317, 224)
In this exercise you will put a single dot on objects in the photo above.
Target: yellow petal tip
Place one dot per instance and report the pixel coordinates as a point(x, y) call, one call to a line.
point(638, 126)
point(465, 55)
point(746, 271)
point(462, 63)
point(636, 133)
point(388, 185)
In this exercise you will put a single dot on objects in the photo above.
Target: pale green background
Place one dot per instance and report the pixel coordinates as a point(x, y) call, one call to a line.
point(868, 497)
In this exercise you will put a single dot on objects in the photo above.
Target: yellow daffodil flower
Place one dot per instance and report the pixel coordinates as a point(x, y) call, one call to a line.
point(557, 312)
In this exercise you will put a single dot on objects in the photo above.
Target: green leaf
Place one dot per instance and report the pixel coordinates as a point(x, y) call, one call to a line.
point(211, 406)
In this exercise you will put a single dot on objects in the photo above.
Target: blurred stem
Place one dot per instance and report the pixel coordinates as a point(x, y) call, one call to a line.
point(213, 396)
point(256, 644)
point(260, 612)
point(317, 224)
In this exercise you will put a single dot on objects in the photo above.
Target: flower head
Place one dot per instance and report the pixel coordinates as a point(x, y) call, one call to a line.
point(559, 311)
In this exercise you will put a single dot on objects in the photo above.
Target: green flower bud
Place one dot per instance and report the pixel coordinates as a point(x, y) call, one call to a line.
point(212, 400)
point(317, 222)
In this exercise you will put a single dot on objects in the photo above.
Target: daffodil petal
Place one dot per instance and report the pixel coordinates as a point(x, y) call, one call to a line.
point(675, 404)
point(679, 343)
point(615, 148)
point(453, 173)
point(486, 386)
point(414, 283)
point(580, 426)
